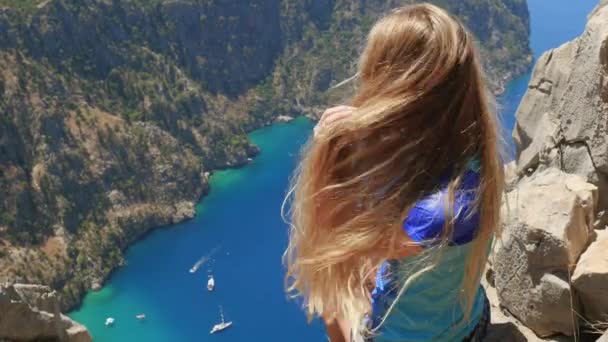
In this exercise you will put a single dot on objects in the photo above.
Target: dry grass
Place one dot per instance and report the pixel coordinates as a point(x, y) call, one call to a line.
point(54, 246)
point(594, 328)
point(573, 314)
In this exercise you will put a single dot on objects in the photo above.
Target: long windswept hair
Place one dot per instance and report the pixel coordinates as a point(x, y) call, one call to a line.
point(422, 110)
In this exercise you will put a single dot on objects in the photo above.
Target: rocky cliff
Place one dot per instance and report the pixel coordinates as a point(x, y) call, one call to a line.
point(31, 313)
point(562, 121)
point(550, 268)
point(113, 112)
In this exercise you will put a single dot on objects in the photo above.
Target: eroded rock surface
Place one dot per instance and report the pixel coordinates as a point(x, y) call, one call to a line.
point(590, 279)
point(548, 224)
point(551, 268)
point(563, 119)
point(31, 313)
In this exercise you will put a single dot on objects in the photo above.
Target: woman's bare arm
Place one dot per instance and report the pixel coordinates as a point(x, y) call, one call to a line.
point(334, 330)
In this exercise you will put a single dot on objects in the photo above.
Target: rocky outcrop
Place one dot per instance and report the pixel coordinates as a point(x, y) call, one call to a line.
point(548, 224)
point(590, 280)
point(551, 266)
point(510, 172)
point(183, 210)
point(506, 328)
point(31, 313)
point(563, 119)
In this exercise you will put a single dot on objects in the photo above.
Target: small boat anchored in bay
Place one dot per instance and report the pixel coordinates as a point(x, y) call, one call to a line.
point(210, 283)
point(222, 325)
point(109, 321)
point(141, 317)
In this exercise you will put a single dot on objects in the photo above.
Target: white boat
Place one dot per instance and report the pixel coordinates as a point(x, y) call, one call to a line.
point(141, 317)
point(222, 325)
point(210, 283)
point(109, 321)
point(200, 262)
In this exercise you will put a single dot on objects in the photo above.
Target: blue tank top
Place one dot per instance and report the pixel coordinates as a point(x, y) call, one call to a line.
point(430, 308)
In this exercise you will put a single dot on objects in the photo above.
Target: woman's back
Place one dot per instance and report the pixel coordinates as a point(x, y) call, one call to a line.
point(430, 307)
point(402, 153)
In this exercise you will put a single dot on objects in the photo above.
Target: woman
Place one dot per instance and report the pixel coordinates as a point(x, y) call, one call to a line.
point(397, 198)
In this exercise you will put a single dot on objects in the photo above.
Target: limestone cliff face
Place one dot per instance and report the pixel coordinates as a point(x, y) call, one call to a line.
point(113, 113)
point(31, 313)
point(563, 118)
point(550, 266)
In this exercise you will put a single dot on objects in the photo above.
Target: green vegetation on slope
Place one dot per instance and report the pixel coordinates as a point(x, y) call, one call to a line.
point(112, 112)
point(26, 5)
point(325, 52)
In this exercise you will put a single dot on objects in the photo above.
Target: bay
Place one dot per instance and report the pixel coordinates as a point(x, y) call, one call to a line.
point(241, 218)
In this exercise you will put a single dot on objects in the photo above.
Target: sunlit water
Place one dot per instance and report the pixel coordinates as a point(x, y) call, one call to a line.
point(241, 216)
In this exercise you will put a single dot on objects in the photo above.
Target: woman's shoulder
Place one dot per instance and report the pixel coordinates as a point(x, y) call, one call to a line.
point(426, 220)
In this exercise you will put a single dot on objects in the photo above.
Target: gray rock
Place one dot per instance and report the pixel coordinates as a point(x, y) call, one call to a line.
point(548, 223)
point(95, 286)
point(77, 333)
point(31, 313)
point(505, 328)
point(117, 198)
point(563, 119)
point(183, 211)
point(510, 176)
point(590, 279)
point(38, 296)
point(283, 118)
point(603, 338)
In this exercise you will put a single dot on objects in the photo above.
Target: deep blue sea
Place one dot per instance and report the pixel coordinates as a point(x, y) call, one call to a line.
point(240, 218)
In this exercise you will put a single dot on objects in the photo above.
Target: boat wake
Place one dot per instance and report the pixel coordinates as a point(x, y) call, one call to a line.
point(204, 259)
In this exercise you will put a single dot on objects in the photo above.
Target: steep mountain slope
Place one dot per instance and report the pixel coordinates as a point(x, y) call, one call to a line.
point(112, 112)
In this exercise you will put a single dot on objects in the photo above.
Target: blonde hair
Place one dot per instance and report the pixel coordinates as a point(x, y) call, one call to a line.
point(422, 109)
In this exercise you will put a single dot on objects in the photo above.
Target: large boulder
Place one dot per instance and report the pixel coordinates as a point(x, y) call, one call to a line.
point(548, 223)
point(590, 280)
point(562, 120)
point(504, 327)
point(31, 313)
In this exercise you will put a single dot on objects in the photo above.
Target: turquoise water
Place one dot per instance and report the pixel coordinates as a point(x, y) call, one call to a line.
point(241, 217)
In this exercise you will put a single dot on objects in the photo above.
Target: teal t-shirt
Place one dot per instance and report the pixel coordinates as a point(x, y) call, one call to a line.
point(430, 307)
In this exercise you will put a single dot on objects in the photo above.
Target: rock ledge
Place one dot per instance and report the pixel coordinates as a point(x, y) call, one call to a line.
point(31, 313)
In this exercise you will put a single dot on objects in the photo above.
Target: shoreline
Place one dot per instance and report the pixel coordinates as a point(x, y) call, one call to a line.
point(157, 281)
point(205, 188)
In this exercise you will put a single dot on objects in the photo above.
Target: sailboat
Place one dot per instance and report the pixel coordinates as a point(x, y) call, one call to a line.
point(222, 325)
